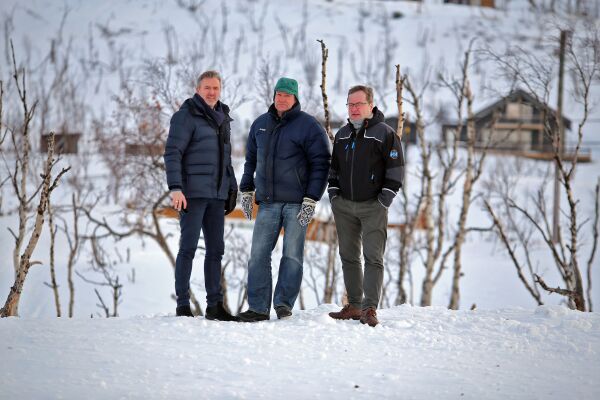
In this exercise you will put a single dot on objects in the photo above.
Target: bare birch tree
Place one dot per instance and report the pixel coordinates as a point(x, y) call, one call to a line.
point(583, 56)
point(19, 175)
point(25, 263)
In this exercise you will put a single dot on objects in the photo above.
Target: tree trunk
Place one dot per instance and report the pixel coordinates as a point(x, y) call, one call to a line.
point(466, 201)
point(53, 284)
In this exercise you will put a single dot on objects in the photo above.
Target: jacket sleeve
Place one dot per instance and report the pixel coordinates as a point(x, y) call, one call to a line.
point(233, 186)
point(180, 134)
point(319, 155)
point(394, 168)
point(247, 182)
point(333, 179)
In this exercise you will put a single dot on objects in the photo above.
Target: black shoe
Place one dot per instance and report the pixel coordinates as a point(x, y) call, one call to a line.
point(184, 311)
point(219, 313)
point(283, 312)
point(251, 316)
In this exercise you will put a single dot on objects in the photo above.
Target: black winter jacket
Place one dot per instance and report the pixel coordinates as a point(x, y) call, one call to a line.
point(368, 163)
point(289, 155)
point(198, 152)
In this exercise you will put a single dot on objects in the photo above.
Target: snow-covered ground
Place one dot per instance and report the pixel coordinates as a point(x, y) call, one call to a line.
point(415, 353)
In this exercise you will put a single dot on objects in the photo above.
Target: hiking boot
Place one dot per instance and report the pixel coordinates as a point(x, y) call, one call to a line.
point(369, 316)
point(283, 312)
point(219, 313)
point(183, 311)
point(251, 316)
point(348, 312)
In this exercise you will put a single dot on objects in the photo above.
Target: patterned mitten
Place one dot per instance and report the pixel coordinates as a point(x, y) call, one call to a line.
point(307, 210)
point(247, 204)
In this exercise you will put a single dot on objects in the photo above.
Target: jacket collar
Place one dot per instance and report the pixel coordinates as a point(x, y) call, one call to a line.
point(288, 115)
point(197, 106)
point(377, 118)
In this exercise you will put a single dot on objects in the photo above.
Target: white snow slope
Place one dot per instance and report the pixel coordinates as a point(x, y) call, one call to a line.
point(415, 353)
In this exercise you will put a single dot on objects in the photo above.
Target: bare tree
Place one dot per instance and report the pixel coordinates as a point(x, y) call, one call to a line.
point(237, 254)
point(429, 204)
point(324, 56)
point(19, 178)
point(12, 301)
point(405, 234)
point(595, 229)
point(53, 283)
point(268, 71)
point(102, 263)
point(583, 53)
point(74, 244)
point(330, 233)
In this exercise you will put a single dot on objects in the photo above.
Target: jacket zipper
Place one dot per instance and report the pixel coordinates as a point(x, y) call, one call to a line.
point(353, 145)
point(269, 170)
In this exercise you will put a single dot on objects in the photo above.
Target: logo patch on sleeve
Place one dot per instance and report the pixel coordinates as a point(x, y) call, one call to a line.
point(394, 154)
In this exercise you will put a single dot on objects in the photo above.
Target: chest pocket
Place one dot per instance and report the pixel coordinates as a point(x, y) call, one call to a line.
point(262, 140)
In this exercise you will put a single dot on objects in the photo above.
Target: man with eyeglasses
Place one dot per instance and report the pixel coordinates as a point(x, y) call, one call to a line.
point(367, 170)
point(287, 162)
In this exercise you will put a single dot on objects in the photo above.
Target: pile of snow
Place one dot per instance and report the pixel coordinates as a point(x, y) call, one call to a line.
point(415, 353)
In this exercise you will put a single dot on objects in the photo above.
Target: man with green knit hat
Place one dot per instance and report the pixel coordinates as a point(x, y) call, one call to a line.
point(287, 163)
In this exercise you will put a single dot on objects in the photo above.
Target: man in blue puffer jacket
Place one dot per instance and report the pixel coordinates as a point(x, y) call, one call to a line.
point(203, 189)
point(287, 163)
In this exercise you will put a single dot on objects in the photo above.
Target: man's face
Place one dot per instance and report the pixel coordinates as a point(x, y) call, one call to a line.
point(210, 90)
point(284, 101)
point(358, 106)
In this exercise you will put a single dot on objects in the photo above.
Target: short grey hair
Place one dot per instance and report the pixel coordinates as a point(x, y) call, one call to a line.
point(209, 74)
point(362, 88)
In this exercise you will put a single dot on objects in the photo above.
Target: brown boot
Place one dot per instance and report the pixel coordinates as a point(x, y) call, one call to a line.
point(369, 316)
point(348, 312)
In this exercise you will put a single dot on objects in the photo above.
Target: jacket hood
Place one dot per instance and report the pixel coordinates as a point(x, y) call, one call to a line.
point(377, 118)
point(289, 114)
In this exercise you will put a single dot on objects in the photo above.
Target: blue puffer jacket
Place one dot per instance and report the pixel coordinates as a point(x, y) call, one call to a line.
point(290, 156)
point(198, 151)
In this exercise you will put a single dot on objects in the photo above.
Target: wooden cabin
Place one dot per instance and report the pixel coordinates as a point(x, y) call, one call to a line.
point(64, 143)
point(515, 122)
point(144, 149)
point(478, 3)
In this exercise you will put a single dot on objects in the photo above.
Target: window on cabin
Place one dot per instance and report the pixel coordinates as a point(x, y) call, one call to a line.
point(513, 110)
point(519, 111)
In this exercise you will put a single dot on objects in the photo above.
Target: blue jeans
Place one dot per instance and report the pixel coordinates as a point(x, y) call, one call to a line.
point(207, 215)
point(269, 221)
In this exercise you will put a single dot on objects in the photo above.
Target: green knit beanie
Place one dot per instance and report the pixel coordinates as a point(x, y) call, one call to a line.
point(287, 85)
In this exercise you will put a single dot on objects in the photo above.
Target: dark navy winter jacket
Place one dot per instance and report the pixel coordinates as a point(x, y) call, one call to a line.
point(287, 158)
point(367, 163)
point(198, 151)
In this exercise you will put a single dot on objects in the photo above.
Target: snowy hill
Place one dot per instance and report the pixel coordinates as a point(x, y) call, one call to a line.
point(415, 353)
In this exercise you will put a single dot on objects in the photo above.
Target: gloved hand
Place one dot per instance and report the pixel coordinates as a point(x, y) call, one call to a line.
point(385, 197)
point(231, 201)
point(247, 204)
point(333, 193)
point(307, 211)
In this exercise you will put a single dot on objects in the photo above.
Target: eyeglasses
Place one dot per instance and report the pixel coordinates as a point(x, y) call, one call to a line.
point(355, 105)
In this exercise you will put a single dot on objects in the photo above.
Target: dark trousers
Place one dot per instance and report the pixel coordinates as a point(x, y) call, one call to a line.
point(361, 225)
point(207, 215)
